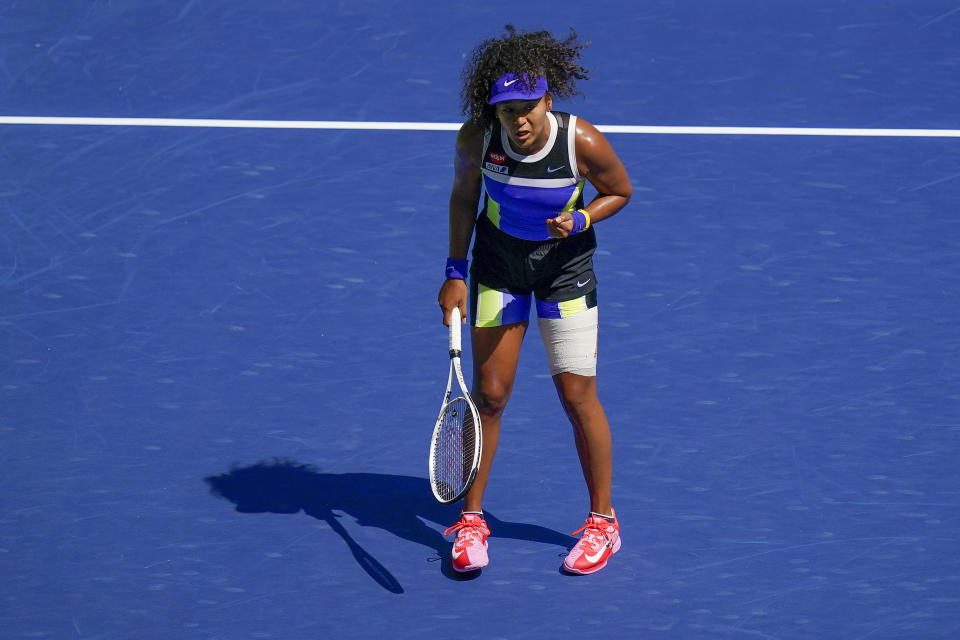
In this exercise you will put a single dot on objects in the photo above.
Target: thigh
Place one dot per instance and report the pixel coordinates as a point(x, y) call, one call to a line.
point(570, 339)
point(496, 352)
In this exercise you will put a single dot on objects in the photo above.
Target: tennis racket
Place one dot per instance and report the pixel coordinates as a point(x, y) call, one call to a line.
point(456, 443)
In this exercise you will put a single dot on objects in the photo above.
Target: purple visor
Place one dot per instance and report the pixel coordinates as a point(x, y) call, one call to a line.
point(510, 87)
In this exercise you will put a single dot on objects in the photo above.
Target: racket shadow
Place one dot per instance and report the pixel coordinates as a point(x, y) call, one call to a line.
point(399, 504)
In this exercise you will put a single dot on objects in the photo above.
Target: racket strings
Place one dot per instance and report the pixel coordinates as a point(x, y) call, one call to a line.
point(455, 449)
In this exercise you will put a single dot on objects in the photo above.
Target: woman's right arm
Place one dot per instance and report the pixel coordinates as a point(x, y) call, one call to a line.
point(464, 200)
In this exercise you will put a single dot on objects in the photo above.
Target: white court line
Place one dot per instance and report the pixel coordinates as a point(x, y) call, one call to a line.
point(453, 126)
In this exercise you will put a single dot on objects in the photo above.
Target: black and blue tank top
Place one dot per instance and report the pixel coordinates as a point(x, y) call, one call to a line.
point(523, 192)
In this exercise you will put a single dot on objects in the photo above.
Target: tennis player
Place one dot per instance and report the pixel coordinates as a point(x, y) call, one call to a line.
point(533, 247)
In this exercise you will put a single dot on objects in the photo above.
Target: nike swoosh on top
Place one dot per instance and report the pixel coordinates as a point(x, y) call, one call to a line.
point(554, 169)
point(584, 283)
point(596, 558)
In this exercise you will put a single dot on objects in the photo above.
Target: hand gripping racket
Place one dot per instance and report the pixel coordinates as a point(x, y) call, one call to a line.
point(456, 443)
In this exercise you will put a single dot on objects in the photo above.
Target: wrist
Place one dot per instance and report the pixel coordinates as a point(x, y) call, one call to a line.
point(457, 268)
point(581, 221)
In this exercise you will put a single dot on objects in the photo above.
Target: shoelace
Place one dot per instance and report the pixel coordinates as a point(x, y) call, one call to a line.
point(593, 535)
point(471, 530)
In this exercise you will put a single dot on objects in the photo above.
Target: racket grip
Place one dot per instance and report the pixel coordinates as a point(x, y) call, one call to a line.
point(455, 332)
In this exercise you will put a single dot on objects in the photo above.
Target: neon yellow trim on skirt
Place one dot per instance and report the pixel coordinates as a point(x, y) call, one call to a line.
point(489, 307)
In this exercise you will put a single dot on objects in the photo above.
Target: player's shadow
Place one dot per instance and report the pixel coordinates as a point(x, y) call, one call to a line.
point(398, 504)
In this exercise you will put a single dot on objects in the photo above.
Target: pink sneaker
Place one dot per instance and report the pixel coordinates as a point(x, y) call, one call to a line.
point(600, 540)
point(469, 551)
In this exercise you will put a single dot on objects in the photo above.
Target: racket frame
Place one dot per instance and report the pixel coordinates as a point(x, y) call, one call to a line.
point(456, 372)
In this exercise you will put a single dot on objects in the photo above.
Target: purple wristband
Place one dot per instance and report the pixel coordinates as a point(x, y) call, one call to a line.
point(579, 222)
point(456, 268)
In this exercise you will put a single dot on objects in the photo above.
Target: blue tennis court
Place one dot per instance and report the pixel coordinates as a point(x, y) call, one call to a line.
point(221, 355)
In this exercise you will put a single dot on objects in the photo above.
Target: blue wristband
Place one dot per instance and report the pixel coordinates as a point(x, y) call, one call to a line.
point(580, 221)
point(456, 268)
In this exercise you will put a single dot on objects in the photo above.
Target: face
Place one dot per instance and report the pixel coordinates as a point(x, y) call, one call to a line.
point(525, 122)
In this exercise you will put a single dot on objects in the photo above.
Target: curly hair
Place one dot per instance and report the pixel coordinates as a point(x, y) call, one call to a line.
point(531, 55)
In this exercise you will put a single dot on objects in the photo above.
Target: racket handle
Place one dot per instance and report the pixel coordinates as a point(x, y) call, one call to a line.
point(455, 332)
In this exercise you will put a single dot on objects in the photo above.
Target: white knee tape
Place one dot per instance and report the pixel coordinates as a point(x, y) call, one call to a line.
point(571, 343)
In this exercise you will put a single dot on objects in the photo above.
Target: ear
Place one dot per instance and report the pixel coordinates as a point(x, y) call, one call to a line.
point(549, 100)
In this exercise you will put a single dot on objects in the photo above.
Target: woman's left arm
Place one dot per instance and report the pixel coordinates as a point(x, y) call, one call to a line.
point(599, 164)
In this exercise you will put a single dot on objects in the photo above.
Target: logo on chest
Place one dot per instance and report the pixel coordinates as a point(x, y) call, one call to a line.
point(495, 168)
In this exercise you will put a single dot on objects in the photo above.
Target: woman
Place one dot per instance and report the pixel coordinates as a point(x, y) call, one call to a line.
point(534, 239)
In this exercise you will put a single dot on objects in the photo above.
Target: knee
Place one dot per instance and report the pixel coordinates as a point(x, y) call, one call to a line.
point(491, 398)
point(577, 393)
